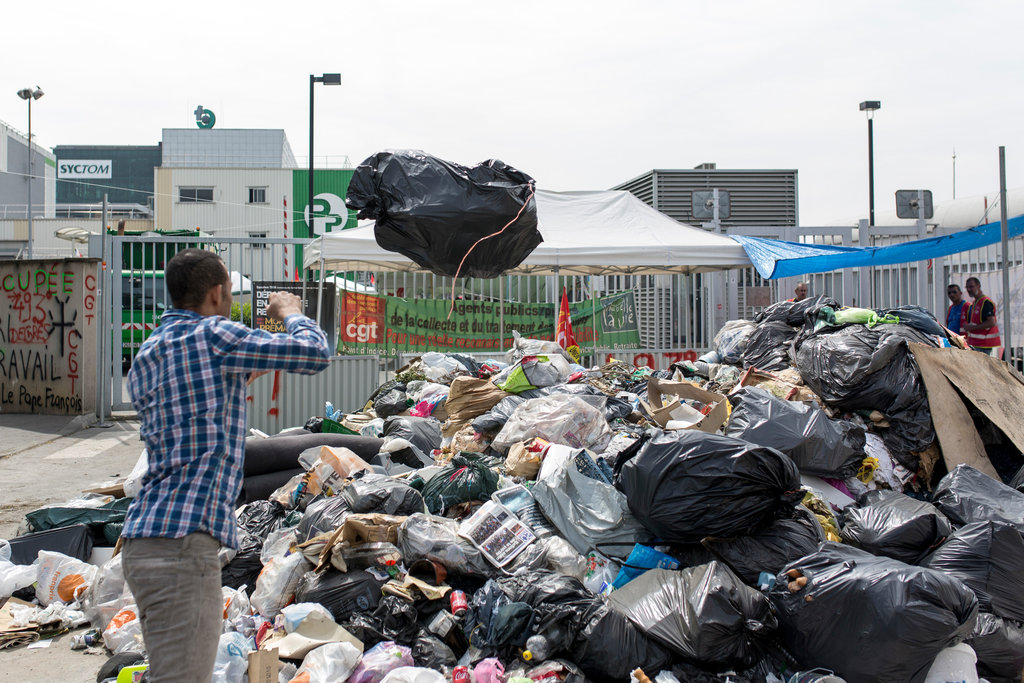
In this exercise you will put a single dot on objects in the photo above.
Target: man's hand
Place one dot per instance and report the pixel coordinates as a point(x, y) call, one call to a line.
point(280, 305)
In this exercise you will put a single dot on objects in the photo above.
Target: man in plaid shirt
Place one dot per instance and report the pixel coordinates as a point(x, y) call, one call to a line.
point(188, 385)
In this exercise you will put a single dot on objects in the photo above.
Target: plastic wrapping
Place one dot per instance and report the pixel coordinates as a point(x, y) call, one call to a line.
point(561, 419)
point(525, 346)
point(988, 557)
point(731, 340)
point(380, 660)
point(999, 644)
point(861, 368)
point(870, 618)
point(62, 578)
point(276, 584)
point(590, 514)
point(436, 538)
point(424, 433)
point(124, 631)
point(342, 594)
point(323, 514)
point(686, 485)
point(232, 661)
point(434, 211)
point(817, 444)
point(892, 524)
point(967, 495)
point(463, 480)
point(370, 492)
point(328, 663)
point(703, 613)
point(768, 347)
point(492, 421)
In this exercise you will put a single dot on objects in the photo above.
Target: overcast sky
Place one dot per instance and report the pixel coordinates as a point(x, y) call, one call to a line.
point(580, 95)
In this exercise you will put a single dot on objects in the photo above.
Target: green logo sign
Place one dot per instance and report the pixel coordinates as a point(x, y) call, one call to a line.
point(205, 118)
point(328, 212)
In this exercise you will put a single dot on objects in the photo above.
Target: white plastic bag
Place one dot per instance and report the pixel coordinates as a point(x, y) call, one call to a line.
point(563, 419)
point(294, 614)
point(328, 663)
point(522, 346)
point(62, 577)
point(108, 594)
point(276, 584)
point(124, 632)
point(379, 661)
point(731, 340)
point(600, 572)
point(14, 576)
point(232, 664)
point(236, 608)
point(414, 674)
point(437, 366)
point(133, 484)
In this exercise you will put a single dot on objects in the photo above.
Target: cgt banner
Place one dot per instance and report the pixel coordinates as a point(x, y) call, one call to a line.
point(391, 325)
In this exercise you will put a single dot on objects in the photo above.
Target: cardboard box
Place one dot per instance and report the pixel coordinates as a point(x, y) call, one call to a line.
point(263, 666)
point(661, 412)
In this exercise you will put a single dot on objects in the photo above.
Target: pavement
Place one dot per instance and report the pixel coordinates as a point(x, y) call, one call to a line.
point(46, 459)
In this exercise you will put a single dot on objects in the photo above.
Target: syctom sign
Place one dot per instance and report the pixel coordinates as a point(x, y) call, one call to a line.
point(84, 168)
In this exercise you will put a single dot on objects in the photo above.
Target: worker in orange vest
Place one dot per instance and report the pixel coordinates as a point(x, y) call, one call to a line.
point(981, 329)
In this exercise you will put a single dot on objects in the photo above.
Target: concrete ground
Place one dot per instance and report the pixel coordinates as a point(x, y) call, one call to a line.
point(49, 459)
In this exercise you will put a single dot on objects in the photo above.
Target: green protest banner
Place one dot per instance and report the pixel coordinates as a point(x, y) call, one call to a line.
point(391, 325)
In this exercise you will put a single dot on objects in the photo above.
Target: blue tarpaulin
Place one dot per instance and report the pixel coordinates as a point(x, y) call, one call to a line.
point(777, 258)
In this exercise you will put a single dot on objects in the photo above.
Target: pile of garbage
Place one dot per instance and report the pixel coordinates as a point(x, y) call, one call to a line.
point(760, 514)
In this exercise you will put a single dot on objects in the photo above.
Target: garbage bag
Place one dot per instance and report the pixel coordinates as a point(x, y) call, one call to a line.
point(686, 485)
point(967, 495)
point(560, 604)
point(999, 644)
point(74, 541)
point(559, 418)
point(341, 593)
point(463, 480)
point(370, 492)
point(107, 595)
point(768, 347)
point(988, 557)
point(862, 368)
point(424, 433)
point(703, 613)
point(62, 578)
point(414, 674)
point(525, 346)
point(894, 525)
point(731, 340)
point(434, 211)
point(918, 318)
point(796, 313)
point(870, 618)
point(494, 419)
point(609, 647)
point(641, 559)
point(590, 514)
point(124, 631)
point(232, 661)
point(329, 663)
point(494, 622)
point(430, 651)
point(533, 372)
point(817, 444)
point(277, 583)
point(57, 516)
point(323, 514)
point(391, 403)
point(786, 539)
point(469, 398)
point(426, 537)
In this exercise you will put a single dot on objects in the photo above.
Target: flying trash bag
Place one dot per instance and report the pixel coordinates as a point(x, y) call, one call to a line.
point(439, 213)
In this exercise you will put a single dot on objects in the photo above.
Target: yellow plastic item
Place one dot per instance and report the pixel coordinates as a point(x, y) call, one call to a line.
point(867, 469)
point(132, 674)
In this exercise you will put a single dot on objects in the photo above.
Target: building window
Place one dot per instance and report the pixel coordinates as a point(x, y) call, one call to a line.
point(258, 195)
point(256, 237)
point(192, 195)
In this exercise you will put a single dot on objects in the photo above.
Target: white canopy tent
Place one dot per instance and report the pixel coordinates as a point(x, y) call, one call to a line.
point(585, 233)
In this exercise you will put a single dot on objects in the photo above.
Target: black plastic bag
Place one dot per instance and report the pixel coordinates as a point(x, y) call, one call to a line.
point(494, 419)
point(494, 623)
point(796, 313)
point(703, 613)
point(772, 548)
point(967, 495)
point(431, 652)
point(424, 433)
point(369, 492)
point(398, 618)
point(999, 644)
point(560, 604)
point(434, 211)
point(463, 480)
point(988, 557)
point(894, 525)
point(817, 444)
point(281, 452)
point(341, 593)
point(768, 347)
point(57, 517)
point(74, 541)
point(323, 514)
point(870, 618)
point(436, 538)
point(918, 318)
point(609, 647)
point(686, 485)
point(255, 522)
point(391, 403)
point(862, 368)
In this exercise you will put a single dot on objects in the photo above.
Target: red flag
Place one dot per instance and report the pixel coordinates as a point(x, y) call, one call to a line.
point(564, 334)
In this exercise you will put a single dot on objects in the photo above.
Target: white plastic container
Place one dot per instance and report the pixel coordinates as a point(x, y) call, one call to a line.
point(954, 665)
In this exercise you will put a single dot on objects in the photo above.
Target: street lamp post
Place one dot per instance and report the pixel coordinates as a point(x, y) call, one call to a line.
point(326, 79)
point(28, 94)
point(871, 106)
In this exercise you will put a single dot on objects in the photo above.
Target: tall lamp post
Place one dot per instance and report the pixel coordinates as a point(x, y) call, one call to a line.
point(28, 94)
point(871, 106)
point(326, 79)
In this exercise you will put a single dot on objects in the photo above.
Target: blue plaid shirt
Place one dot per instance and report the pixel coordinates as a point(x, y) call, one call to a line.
point(188, 384)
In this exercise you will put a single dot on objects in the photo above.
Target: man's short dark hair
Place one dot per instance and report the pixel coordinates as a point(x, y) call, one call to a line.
point(953, 286)
point(191, 274)
point(974, 280)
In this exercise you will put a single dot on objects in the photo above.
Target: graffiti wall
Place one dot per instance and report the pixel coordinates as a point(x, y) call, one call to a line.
point(48, 332)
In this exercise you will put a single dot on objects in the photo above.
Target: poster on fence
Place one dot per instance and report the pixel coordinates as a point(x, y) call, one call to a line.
point(391, 325)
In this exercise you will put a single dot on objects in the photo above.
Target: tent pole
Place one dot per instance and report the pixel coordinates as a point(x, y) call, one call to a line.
point(593, 317)
point(501, 311)
point(558, 306)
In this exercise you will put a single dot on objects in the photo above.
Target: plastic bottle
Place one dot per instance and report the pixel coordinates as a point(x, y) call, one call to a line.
point(537, 649)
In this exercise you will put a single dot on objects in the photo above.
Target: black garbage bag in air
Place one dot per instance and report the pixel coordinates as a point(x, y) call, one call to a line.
point(609, 647)
point(999, 644)
point(434, 211)
point(894, 525)
point(817, 444)
point(796, 313)
point(702, 613)
point(858, 367)
point(788, 538)
point(870, 618)
point(686, 485)
point(768, 347)
point(968, 495)
point(988, 557)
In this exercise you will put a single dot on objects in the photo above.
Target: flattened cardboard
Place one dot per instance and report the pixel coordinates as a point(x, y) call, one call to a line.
point(264, 666)
point(657, 389)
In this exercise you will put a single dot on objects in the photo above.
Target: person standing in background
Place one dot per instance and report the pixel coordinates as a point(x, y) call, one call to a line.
point(980, 322)
point(800, 292)
point(956, 314)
